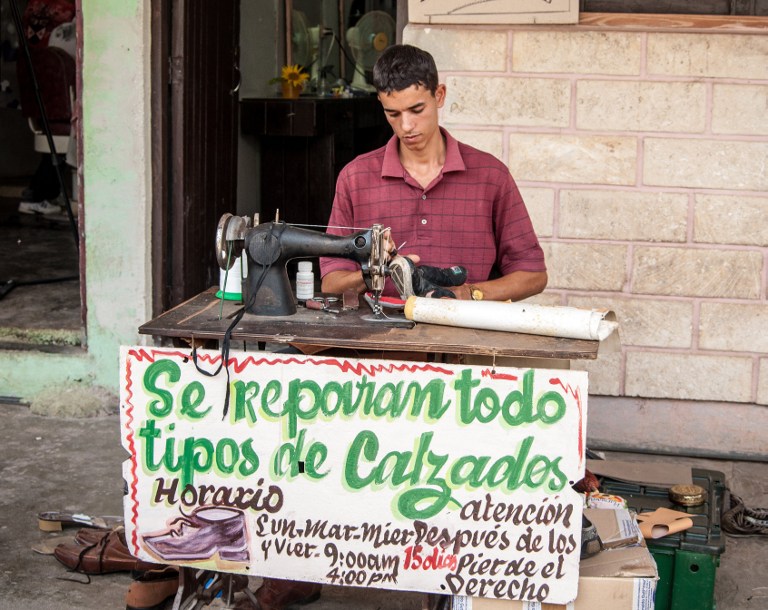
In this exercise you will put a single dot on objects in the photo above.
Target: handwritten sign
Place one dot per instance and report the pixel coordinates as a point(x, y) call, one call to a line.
point(411, 476)
point(493, 11)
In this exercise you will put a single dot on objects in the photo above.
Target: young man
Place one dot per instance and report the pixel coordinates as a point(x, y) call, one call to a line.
point(450, 204)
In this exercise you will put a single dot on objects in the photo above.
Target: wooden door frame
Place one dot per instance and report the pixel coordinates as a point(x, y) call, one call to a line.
point(160, 32)
point(186, 196)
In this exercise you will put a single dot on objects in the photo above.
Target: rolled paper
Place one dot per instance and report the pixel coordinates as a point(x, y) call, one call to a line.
point(547, 320)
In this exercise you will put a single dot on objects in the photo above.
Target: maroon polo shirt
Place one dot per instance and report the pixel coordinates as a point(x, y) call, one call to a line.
point(471, 214)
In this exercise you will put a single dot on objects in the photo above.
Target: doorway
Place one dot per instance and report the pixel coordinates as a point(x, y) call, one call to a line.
point(194, 174)
point(195, 59)
point(40, 270)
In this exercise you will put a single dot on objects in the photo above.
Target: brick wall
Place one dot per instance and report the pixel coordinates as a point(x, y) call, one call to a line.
point(643, 158)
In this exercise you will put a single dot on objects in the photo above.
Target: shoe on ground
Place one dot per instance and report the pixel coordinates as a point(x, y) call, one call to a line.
point(91, 535)
point(277, 594)
point(56, 520)
point(152, 589)
point(106, 555)
point(44, 207)
point(424, 281)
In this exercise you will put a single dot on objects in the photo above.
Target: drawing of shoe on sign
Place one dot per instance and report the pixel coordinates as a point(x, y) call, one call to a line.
point(206, 532)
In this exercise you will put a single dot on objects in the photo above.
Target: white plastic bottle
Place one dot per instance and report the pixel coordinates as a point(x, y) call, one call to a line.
point(305, 281)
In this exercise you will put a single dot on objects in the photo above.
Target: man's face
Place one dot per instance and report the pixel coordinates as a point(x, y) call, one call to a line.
point(413, 114)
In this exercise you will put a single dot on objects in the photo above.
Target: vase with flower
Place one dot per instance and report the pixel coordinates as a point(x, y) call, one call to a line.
point(291, 79)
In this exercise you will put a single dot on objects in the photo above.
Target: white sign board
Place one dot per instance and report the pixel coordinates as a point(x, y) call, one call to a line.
point(399, 475)
point(493, 11)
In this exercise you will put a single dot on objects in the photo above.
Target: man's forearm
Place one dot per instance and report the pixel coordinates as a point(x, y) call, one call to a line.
point(516, 286)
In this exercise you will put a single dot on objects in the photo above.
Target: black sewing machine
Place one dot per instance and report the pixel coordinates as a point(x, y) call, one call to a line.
point(269, 247)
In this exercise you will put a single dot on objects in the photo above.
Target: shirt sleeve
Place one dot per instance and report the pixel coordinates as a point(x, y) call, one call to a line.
point(517, 246)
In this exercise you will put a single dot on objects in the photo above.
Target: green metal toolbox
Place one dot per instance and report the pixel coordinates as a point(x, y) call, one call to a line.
point(686, 561)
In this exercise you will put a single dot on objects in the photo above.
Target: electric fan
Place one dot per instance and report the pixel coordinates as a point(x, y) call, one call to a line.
point(367, 40)
point(314, 47)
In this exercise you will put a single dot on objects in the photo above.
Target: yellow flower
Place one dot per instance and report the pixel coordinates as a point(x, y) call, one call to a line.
point(294, 75)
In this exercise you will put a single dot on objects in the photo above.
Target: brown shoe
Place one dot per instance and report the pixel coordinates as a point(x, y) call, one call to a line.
point(109, 554)
point(152, 589)
point(276, 594)
point(89, 535)
point(56, 520)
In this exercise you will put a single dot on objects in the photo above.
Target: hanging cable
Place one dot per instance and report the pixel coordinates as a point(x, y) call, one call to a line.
point(226, 341)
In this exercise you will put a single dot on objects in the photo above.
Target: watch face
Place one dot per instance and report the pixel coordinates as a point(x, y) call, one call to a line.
point(477, 294)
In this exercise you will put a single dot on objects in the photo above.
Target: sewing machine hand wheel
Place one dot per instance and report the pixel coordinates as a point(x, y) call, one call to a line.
point(230, 233)
point(265, 248)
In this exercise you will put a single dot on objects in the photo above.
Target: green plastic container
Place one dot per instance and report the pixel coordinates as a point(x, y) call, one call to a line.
point(687, 562)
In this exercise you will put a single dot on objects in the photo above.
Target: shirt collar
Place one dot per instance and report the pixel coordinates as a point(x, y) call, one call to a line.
point(394, 169)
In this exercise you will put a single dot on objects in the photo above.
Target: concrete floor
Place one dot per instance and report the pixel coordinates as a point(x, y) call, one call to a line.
point(35, 252)
point(74, 464)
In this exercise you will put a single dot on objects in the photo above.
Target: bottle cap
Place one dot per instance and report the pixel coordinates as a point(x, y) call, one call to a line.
point(687, 495)
point(305, 266)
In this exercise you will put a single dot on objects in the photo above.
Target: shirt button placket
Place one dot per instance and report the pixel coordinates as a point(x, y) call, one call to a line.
point(423, 221)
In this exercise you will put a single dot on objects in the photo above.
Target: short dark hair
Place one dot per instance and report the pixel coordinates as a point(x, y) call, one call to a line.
point(402, 66)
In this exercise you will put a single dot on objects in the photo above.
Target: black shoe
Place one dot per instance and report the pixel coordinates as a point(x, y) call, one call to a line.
point(424, 281)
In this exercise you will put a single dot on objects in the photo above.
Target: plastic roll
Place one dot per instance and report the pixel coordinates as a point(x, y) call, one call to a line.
point(566, 322)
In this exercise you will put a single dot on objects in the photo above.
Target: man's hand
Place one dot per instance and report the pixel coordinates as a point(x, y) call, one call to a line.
point(338, 282)
point(389, 245)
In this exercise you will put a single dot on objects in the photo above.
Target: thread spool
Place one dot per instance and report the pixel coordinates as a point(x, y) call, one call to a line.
point(233, 278)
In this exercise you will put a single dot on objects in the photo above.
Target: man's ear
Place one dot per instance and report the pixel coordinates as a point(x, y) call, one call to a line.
point(440, 95)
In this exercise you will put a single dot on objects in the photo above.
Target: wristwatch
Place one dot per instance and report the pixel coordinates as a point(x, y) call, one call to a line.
point(475, 293)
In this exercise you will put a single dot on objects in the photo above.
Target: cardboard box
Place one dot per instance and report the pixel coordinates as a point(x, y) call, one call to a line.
point(493, 11)
point(616, 527)
point(619, 579)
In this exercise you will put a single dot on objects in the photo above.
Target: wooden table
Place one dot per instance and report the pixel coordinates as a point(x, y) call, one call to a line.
point(207, 318)
point(204, 317)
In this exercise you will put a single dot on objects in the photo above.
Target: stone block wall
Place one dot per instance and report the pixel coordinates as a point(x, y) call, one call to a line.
point(643, 158)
